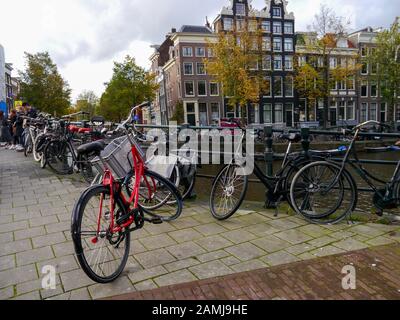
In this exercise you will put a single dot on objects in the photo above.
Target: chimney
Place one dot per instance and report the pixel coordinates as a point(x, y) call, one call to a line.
point(173, 30)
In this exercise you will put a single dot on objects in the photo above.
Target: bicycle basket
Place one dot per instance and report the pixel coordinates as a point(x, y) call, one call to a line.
point(118, 157)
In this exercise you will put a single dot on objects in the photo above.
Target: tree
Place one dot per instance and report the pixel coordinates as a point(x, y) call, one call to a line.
point(314, 75)
point(386, 56)
point(87, 101)
point(42, 86)
point(179, 113)
point(237, 56)
point(130, 85)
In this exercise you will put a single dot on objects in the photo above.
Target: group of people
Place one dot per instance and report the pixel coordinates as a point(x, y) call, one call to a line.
point(12, 127)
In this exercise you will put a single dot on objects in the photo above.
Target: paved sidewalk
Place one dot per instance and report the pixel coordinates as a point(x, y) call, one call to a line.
point(377, 278)
point(35, 215)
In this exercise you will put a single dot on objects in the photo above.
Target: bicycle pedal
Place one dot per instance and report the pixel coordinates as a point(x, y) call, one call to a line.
point(124, 219)
point(156, 221)
point(379, 213)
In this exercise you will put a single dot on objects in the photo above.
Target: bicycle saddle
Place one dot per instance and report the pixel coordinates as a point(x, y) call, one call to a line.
point(291, 137)
point(93, 147)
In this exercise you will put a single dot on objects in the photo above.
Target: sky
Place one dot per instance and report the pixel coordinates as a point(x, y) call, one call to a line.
point(84, 37)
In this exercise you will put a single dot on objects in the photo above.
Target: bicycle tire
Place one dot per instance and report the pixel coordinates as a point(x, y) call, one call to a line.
point(79, 245)
point(325, 217)
point(58, 151)
point(220, 181)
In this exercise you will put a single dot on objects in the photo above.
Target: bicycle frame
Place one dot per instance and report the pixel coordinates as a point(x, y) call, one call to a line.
point(364, 174)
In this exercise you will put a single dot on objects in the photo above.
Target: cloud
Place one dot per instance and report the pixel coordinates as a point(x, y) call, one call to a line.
point(85, 36)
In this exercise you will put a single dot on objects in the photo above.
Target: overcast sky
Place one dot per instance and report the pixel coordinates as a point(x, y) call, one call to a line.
point(84, 37)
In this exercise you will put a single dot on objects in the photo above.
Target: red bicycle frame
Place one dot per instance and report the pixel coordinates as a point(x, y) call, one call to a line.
point(109, 181)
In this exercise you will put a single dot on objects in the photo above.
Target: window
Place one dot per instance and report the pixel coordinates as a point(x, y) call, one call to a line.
point(266, 44)
point(266, 26)
point(188, 69)
point(302, 60)
point(398, 113)
point(253, 64)
point(240, 9)
point(364, 89)
point(289, 86)
point(277, 44)
point(341, 85)
point(214, 89)
point(228, 24)
point(288, 63)
point(266, 63)
point(373, 115)
point(278, 87)
point(364, 112)
point(189, 88)
point(374, 68)
point(268, 86)
point(201, 88)
point(383, 112)
point(320, 62)
point(200, 69)
point(342, 110)
point(364, 52)
point(253, 25)
point(351, 83)
point(215, 111)
point(239, 24)
point(200, 52)
point(267, 113)
point(279, 113)
point(288, 44)
point(333, 63)
point(364, 68)
point(288, 27)
point(277, 27)
point(187, 51)
point(350, 110)
point(374, 89)
point(210, 53)
point(278, 63)
point(276, 12)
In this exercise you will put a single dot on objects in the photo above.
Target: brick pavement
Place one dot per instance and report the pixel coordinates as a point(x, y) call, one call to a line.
point(377, 278)
point(35, 214)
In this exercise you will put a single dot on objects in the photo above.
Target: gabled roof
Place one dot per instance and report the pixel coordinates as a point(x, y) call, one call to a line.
point(195, 29)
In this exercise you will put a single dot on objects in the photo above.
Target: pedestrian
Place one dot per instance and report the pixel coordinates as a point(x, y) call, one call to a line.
point(17, 130)
point(5, 136)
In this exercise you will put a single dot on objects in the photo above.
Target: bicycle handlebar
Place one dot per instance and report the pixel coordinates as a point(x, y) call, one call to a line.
point(123, 125)
point(371, 122)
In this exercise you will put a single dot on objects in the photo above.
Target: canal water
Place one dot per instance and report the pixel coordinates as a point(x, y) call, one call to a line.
point(256, 191)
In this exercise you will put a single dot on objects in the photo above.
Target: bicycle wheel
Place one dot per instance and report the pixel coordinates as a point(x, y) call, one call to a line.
point(28, 145)
point(228, 192)
point(321, 196)
point(158, 196)
point(102, 256)
point(185, 185)
point(59, 157)
point(37, 156)
point(86, 169)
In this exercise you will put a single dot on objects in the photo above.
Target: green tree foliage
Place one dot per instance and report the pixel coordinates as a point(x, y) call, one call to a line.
point(130, 85)
point(314, 77)
point(179, 114)
point(87, 102)
point(237, 63)
point(42, 86)
point(386, 57)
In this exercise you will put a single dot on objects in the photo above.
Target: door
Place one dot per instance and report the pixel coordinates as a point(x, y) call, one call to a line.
point(203, 114)
point(191, 114)
point(333, 114)
point(289, 118)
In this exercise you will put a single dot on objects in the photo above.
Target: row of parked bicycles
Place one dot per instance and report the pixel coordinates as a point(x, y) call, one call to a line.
point(128, 189)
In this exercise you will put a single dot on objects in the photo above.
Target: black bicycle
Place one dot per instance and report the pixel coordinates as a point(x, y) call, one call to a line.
point(231, 184)
point(325, 192)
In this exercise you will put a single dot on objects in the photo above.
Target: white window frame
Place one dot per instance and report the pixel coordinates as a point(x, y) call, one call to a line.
point(276, 112)
point(278, 9)
point(276, 23)
point(285, 26)
point(347, 111)
point(194, 89)
point(269, 111)
point(366, 87)
point(278, 58)
point(290, 58)
point(285, 43)
point(364, 73)
point(184, 68)
point(292, 92)
point(199, 55)
point(265, 24)
point(371, 113)
point(242, 6)
point(269, 79)
point(281, 95)
point(214, 83)
point(273, 44)
point(212, 113)
point(205, 87)
point(267, 63)
point(184, 54)
point(231, 24)
point(197, 69)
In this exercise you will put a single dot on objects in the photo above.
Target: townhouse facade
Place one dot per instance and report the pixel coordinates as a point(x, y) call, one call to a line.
point(3, 103)
point(179, 65)
point(278, 104)
point(343, 98)
point(9, 86)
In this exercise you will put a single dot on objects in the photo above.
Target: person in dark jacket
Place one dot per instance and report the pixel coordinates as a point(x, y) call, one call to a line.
point(5, 136)
point(16, 129)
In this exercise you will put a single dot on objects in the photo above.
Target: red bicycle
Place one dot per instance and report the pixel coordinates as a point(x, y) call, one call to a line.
point(106, 214)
